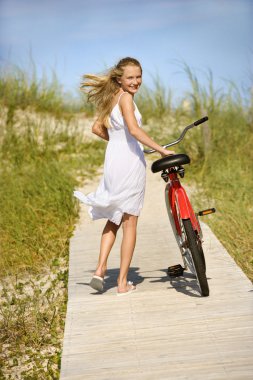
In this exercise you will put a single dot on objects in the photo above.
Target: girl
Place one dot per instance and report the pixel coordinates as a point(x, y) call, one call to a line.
point(120, 194)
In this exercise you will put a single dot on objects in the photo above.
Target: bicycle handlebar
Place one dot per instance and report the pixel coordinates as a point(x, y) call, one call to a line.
point(200, 121)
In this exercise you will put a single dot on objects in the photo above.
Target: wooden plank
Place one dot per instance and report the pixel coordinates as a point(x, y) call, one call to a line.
point(164, 330)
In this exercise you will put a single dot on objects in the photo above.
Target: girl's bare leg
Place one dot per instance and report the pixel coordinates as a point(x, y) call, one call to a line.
point(107, 240)
point(129, 225)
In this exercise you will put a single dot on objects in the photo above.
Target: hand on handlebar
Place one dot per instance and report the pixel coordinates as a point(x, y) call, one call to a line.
point(167, 152)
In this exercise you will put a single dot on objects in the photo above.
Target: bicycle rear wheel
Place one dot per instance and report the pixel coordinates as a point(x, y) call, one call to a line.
point(197, 254)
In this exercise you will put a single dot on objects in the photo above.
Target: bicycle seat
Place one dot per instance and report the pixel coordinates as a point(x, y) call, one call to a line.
point(170, 162)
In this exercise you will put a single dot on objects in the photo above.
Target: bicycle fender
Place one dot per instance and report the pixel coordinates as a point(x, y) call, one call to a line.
point(185, 209)
point(171, 210)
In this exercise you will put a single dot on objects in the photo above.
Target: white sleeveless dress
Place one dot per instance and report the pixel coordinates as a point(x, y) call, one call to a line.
point(122, 186)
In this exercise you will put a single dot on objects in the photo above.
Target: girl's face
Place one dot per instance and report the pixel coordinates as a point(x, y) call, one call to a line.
point(131, 79)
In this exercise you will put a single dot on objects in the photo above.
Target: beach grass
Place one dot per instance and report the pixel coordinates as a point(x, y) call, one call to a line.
point(44, 155)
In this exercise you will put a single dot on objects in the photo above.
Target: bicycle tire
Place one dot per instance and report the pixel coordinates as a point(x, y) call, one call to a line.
point(201, 254)
point(199, 242)
point(197, 257)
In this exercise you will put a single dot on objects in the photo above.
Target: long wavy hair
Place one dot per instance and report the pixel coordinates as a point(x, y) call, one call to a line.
point(101, 88)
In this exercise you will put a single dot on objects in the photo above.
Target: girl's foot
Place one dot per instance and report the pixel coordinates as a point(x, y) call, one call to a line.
point(129, 288)
point(100, 272)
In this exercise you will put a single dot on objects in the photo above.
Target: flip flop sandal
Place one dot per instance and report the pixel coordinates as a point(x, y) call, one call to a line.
point(176, 270)
point(130, 290)
point(97, 283)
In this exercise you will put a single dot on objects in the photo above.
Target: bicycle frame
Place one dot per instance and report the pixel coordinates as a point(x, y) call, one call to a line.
point(178, 202)
point(179, 209)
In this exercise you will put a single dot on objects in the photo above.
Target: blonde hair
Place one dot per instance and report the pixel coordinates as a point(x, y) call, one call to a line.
point(101, 88)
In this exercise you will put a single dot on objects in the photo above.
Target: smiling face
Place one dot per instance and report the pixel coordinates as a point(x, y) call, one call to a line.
point(131, 79)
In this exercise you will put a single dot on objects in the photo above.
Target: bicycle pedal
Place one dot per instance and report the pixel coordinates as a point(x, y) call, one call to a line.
point(175, 270)
point(207, 211)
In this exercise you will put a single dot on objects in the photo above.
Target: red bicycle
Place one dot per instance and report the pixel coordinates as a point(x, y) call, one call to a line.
point(184, 221)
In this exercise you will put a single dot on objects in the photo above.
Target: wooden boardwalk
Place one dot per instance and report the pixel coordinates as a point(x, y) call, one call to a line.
point(164, 330)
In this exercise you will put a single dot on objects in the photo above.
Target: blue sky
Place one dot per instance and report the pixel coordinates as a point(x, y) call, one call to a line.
point(74, 37)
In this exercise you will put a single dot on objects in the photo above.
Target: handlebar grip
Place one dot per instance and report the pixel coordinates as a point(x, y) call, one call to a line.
point(200, 121)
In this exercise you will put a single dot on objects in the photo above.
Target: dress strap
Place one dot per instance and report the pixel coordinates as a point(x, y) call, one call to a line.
point(120, 96)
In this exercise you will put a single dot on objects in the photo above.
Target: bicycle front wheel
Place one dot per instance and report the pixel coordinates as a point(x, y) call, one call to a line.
point(197, 257)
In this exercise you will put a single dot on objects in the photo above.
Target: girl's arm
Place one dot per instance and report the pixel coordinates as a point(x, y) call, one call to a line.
point(127, 107)
point(100, 130)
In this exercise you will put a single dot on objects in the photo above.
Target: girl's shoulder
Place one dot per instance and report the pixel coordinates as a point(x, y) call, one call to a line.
point(126, 100)
point(125, 95)
point(116, 98)
point(122, 100)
